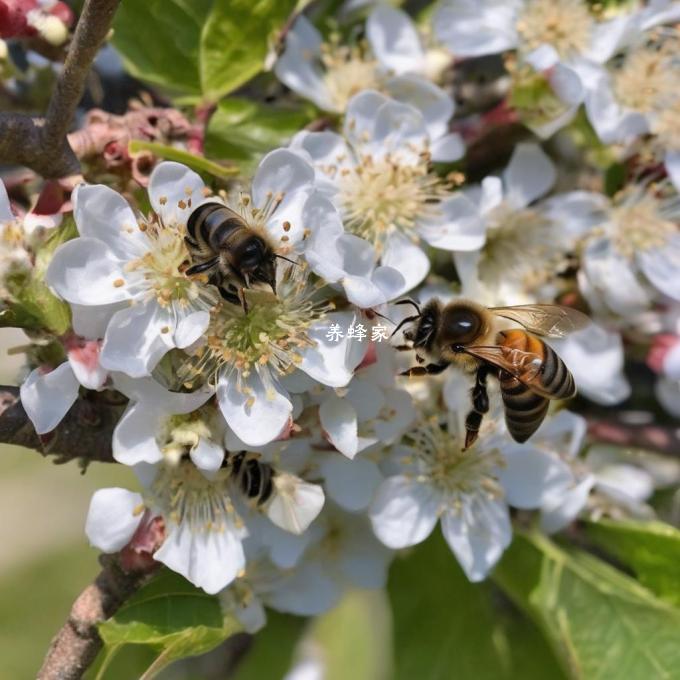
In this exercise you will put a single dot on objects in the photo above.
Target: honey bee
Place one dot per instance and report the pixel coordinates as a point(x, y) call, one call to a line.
point(287, 500)
point(529, 371)
point(253, 478)
point(223, 246)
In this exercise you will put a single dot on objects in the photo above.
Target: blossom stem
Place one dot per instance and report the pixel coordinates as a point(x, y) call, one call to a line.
point(41, 144)
point(77, 643)
point(85, 433)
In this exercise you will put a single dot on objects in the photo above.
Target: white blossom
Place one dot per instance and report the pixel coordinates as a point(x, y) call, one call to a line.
point(377, 174)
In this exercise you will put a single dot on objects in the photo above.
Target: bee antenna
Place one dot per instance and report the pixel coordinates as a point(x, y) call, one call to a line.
point(382, 316)
point(281, 257)
point(409, 301)
point(403, 322)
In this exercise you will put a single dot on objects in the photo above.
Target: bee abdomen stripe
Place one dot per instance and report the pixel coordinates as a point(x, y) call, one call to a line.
point(558, 380)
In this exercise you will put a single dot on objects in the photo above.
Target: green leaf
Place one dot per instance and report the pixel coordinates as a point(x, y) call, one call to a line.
point(243, 131)
point(446, 627)
point(235, 41)
point(169, 615)
point(601, 623)
point(159, 41)
point(171, 153)
point(651, 549)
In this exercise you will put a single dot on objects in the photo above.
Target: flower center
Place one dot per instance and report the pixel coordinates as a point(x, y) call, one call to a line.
point(523, 247)
point(564, 24)
point(382, 196)
point(162, 271)
point(667, 126)
point(271, 334)
point(349, 70)
point(182, 433)
point(641, 225)
point(649, 79)
point(185, 497)
point(453, 471)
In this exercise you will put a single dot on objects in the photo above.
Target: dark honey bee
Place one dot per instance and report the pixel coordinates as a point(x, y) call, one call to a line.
point(253, 478)
point(529, 371)
point(223, 246)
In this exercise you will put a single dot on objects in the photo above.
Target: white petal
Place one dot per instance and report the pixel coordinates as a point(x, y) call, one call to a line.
point(459, 227)
point(175, 192)
point(478, 535)
point(351, 484)
point(209, 559)
point(577, 212)
point(307, 590)
point(609, 36)
point(472, 29)
point(152, 393)
point(668, 394)
point(565, 430)
point(296, 503)
point(595, 358)
point(339, 421)
point(614, 277)
point(611, 121)
point(331, 363)
point(366, 397)
point(529, 175)
point(561, 508)
point(280, 172)
point(103, 214)
point(530, 475)
point(299, 67)
point(408, 258)
point(257, 417)
point(625, 482)
point(85, 365)
point(190, 328)
point(433, 103)
point(394, 40)
point(113, 518)
point(136, 339)
point(360, 116)
point(207, 456)
point(91, 322)
point(672, 163)
point(662, 267)
point(404, 512)
point(492, 194)
point(6, 214)
point(448, 148)
point(47, 397)
point(134, 438)
point(542, 58)
point(85, 272)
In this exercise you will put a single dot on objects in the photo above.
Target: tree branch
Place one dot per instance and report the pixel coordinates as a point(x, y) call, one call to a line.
point(76, 645)
point(41, 144)
point(85, 432)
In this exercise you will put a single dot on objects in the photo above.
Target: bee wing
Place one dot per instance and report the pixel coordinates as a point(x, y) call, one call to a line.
point(554, 321)
point(295, 503)
point(525, 366)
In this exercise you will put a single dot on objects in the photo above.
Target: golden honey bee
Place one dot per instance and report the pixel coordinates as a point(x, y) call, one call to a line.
point(529, 371)
point(223, 246)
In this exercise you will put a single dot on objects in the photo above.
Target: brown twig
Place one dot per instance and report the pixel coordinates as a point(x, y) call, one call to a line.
point(85, 433)
point(41, 144)
point(650, 437)
point(76, 645)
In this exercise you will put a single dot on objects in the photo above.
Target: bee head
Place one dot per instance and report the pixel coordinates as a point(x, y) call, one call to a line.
point(256, 261)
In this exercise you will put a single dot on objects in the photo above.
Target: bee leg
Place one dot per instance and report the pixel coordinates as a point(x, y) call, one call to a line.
point(229, 297)
point(480, 406)
point(430, 369)
point(242, 300)
point(201, 267)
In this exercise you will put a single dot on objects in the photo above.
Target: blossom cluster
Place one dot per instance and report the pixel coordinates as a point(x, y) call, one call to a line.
point(281, 457)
